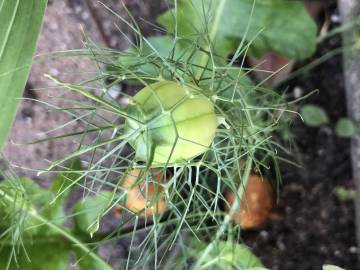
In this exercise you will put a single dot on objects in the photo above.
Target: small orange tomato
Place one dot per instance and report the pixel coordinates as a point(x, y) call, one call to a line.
point(144, 199)
point(256, 203)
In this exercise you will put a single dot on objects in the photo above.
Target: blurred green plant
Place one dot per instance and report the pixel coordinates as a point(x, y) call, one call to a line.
point(33, 235)
point(227, 256)
point(345, 128)
point(344, 194)
point(332, 267)
point(315, 116)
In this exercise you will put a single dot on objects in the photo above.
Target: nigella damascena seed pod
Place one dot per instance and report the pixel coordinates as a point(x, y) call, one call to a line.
point(174, 120)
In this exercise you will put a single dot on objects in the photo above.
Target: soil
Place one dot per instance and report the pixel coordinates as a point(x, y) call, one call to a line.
point(310, 227)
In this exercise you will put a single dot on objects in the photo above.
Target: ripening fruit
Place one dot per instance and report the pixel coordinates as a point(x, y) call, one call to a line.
point(141, 196)
point(256, 203)
point(180, 122)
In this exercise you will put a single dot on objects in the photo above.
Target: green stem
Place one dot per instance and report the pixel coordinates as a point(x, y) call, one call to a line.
point(229, 215)
point(214, 29)
point(93, 97)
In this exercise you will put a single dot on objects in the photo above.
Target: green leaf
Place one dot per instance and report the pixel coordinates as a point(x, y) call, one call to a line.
point(20, 24)
point(54, 256)
point(190, 20)
point(344, 194)
point(313, 115)
point(279, 26)
point(237, 254)
point(345, 128)
point(89, 211)
point(332, 267)
point(228, 255)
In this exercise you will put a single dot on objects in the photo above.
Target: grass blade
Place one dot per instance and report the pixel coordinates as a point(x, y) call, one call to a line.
point(20, 24)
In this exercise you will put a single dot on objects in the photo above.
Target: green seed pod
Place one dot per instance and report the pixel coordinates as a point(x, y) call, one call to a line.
point(175, 122)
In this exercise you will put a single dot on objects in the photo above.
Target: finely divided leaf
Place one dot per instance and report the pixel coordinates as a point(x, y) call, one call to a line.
point(20, 195)
point(34, 241)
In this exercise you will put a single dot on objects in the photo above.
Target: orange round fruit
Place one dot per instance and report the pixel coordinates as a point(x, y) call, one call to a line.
point(256, 203)
point(144, 198)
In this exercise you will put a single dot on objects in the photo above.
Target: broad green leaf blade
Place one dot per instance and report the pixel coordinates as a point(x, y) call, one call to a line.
point(237, 254)
point(278, 26)
point(20, 24)
point(285, 27)
point(190, 20)
point(89, 211)
point(313, 115)
point(345, 128)
point(332, 267)
point(228, 255)
point(44, 256)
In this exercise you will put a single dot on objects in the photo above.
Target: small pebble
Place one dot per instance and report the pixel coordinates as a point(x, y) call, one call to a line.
point(114, 91)
point(77, 9)
point(353, 249)
point(54, 72)
point(337, 253)
point(335, 18)
point(297, 92)
point(264, 234)
point(85, 16)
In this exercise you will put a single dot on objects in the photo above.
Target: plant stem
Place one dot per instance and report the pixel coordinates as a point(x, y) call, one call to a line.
point(214, 29)
point(229, 215)
point(98, 23)
point(116, 109)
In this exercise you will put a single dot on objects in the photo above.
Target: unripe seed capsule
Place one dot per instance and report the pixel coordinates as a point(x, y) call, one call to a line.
point(180, 122)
